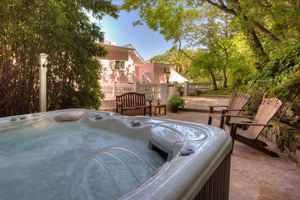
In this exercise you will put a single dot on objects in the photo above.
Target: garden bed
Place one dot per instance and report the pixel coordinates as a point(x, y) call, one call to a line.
point(286, 137)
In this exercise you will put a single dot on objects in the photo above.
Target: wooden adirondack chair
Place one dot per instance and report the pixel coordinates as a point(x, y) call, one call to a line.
point(236, 102)
point(265, 112)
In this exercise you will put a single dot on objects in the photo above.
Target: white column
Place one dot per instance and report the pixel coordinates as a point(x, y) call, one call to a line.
point(134, 87)
point(171, 90)
point(175, 88)
point(164, 93)
point(43, 83)
point(186, 88)
point(138, 87)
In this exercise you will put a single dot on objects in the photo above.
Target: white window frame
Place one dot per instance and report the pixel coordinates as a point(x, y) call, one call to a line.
point(119, 66)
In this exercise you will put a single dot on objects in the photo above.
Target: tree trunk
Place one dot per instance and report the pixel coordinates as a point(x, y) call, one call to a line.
point(287, 107)
point(213, 79)
point(256, 44)
point(225, 79)
point(255, 41)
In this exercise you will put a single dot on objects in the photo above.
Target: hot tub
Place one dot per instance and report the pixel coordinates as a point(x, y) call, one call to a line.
point(86, 154)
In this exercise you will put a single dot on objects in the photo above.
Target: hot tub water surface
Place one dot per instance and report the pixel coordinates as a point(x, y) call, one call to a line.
point(72, 160)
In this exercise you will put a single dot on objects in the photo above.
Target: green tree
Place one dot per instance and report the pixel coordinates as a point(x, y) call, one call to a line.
point(216, 37)
point(196, 24)
point(178, 60)
point(266, 24)
point(281, 76)
point(166, 17)
point(62, 30)
point(205, 65)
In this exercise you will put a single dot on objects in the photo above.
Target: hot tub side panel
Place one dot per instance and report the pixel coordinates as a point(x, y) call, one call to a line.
point(217, 186)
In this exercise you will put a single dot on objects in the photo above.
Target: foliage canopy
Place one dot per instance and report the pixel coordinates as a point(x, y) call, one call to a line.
point(62, 30)
point(245, 40)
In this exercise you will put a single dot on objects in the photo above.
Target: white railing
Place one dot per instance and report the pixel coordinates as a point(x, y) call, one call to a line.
point(122, 88)
point(112, 89)
point(108, 89)
point(152, 90)
point(191, 87)
point(133, 78)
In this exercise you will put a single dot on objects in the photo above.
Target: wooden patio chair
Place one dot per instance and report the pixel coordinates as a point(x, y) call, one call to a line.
point(236, 102)
point(265, 112)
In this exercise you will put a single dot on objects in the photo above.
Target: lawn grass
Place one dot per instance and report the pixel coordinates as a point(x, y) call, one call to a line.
point(221, 91)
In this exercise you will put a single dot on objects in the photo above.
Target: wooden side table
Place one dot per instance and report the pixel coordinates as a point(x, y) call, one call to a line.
point(160, 106)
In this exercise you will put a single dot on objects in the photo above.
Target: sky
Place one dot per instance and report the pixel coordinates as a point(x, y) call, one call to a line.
point(146, 42)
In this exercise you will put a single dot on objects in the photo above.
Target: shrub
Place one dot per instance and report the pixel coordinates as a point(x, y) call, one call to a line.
point(176, 101)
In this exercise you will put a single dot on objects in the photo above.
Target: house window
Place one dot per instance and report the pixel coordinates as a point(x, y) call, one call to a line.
point(120, 64)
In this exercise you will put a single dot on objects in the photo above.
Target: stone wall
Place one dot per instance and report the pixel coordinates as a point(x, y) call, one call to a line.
point(286, 138)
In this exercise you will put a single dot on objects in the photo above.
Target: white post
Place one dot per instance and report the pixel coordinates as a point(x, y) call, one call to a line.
point(43, 83)
point(164, 93)
point(175, 88)
point(134, 87)
point(186, 88)
point(137, 87)
point(171, 90)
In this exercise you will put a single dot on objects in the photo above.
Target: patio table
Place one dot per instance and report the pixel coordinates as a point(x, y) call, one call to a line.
point(160, 106)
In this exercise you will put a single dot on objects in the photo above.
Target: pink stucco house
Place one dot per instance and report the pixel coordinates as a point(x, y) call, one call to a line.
point(123, 64)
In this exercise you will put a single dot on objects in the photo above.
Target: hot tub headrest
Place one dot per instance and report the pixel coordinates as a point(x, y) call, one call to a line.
point(67, 117)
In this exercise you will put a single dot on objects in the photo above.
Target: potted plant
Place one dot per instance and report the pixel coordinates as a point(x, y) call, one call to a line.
point(158, 100)
point(176, 101)
point(180, 90)
point(197, 93)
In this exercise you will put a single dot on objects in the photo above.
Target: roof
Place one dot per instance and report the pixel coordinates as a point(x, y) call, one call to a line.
point(176, 77)
point(154, 64)
point(122, 53)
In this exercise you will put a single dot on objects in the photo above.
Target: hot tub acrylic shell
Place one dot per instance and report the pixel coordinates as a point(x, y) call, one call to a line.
point(182, 177)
